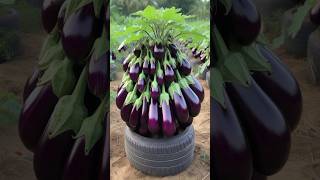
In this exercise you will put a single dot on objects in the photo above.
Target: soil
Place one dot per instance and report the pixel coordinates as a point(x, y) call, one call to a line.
point(303, 163)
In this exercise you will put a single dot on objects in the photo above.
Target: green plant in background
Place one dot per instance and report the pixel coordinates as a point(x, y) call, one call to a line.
point(9, 108)
point(9, 44)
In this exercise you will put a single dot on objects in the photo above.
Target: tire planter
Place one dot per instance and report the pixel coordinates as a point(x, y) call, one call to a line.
point(10, 20)
point(297, 46)
point(160, 157)
point(313, 56)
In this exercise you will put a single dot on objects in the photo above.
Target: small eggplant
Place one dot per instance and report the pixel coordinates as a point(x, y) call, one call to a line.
point(98, 76)
point(137, 52)
point(49, 13)
point(185, 67)
point(113, 56)
point(128, 105)
point(143, 128)
point(160, 78)
point(35, 115)
point(145, 66)
point(123, 92)
point(193, 102)
point(168, 122)
point(194, 51)
point(127, 60)
point(154, 121)
point(159, 52)
point(152, 68)
point(173, 51)
point(196, 86)
point(31, 84)
point(135, 114)
point(135, 70)
point(141, 82)
point(105, 164)
point(155, 90)
point(179, 105)
point(122, 47)
point(168, 74)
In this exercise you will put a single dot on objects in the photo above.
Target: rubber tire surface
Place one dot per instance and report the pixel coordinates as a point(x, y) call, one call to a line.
point(298, 45)
point(160, 157)
point(313, 56)
point(10, 20)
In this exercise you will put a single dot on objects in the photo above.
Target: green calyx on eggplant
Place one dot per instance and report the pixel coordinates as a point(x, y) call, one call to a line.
point(160, 75)
point(155, 90)
point(281, 87)
point(264, 125)
point(135, 114)
point(135, 70)
point(159, 52)
point(49, 13)
point(123, 92)
point(127, 60)
point(31, 83)
point(145, 66)
point(168, 122)
point(128, 104)
point(232, 158)
point(79, 32)
point(141, 82)
point(179, 104)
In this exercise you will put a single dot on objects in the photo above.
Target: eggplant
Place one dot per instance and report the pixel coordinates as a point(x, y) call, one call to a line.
point(173, 51)
point(281, 87)
point(128, 105)
point(194, 51)
point(135, 114)
point(196, 87)
point(145, 66)
point(168, 122)
point(61, 17)
point(232, 157)
point(35, 114)
point(155, 90)
point(158, 52)
point(168, 74)
point(98, 76)
point(143, 128)
point(137, 52)
point(152, 68)
point(179, 105)
point(91, 101)
point(160, 78)
point(80, 32)
point(125, 63)
point(193, 102)
point(153, 120)
point(49, 13)
point(258, 176)
point(31, 83)
point(105, 164)
point(186, 124)
point(51, 154)
point(197, 54)
point(122, 47)
point(82, 166)
point(265, 127)
point(185, 67)
point(122, 94)
point(315, 14)
point(134, 71)
point(141, 83)
point(113, 56)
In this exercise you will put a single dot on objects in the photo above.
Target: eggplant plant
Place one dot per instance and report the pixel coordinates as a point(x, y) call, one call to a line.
point(256, 101)
point(64, 119)
point(158, 94)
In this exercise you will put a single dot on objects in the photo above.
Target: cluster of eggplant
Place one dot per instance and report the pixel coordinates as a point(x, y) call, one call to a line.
point(158, 95)
point(250, 136)
point(68, 91)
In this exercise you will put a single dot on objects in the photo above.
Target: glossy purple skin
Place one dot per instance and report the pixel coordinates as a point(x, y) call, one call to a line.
point(145, 67)
point(185, 67)
point(152, 68)
point(173, 50)
point(91, 101)
point(265, 127)
point(203, 58)
point(282, 88)
point(257, 176)
point(193, 102)
point(197, 88)
point(105, 164)
point(125, 112)
point(160, 79)
point(180, 108)
point(194, 51)
point(121, 97)
point(315, 14)
point(143, 128)
point(186, 124)
point(125, 64)
point(79, 33)
point(51, 154)
point(60, 19)
point(49, 13)
point(35, 115)
point(80, 166)
point(140, 85)
point(168, 123)
point(197, 54)
point(168, 74)
point(98, 76)
point(153, 121)
point(231, 155)
point(155, 92)
point(158, 52)
point(135, 117)
point(134, 72)
point(31, 84)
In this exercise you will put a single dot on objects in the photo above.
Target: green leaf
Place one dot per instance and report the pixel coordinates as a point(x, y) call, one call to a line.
point(53, 53)
point(254, 60)
point(73, 5)
point(98, 4)
point(217, 86)
point(10, 107)
point(50, 72)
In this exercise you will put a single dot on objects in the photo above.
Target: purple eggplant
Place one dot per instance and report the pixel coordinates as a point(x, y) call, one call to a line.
point(196, 86)
point(160, 78)
point(154, 121)
point(49, 13)
point(194, 51)
point(168, 74)
point(185, 67)
point(155, 90)
point(193, 102)
point(232, 157)
point(134, 71)
point(281, 87)
point(152, 68)
point(135, 114)
point(123, 92)
point(315, 14)
point(105, 164)
point(168, 122)
point(51, 154)
point(31, 83)
point(128, 105)
point(143, 128)
point(173, 51)
point(113, 56)
point(125, 63)
point(91, 101)
point(141, 82)
point(179, 105)
point(265, 127)
point(35, 115)
point(145, 66)
point(158, 52)
point(186, 124)
point(82, 166)
point(122, 47)
point(79, 33)
point(98, 76)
